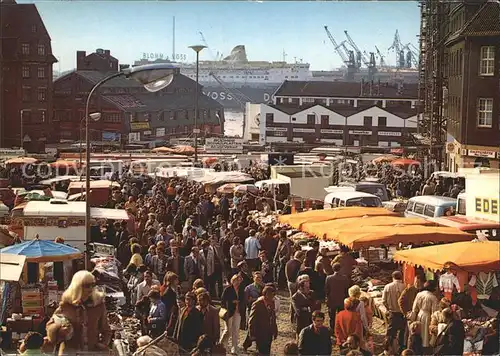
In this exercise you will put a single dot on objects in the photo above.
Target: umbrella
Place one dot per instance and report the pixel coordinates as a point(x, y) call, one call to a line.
point(405, 162)
point(162, 149)
point(21, 160)
point(210, 160)
point(64, 164)
point(384, 159)
point(244, 188)
point(43, 251)
point(227, 188)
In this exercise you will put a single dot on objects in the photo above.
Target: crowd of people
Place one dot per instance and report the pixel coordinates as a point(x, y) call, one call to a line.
point(198, 268)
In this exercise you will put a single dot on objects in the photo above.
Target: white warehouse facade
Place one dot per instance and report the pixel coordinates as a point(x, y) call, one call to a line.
point(340, 113)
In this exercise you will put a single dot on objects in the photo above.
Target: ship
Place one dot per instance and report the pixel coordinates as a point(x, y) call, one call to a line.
point(235, 80)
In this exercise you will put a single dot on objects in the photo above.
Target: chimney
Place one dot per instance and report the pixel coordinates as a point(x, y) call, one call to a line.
point(80, 58)
point(107, 52)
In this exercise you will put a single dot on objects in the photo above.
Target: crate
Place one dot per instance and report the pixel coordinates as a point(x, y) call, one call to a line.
point(33, 310)
point(31, 295)
point(32, 303)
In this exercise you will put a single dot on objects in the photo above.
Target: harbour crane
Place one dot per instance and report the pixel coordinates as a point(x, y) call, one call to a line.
point(370, 63)
point(347, 58)
point(411, 56)
point(397, 47)
point(382, 57)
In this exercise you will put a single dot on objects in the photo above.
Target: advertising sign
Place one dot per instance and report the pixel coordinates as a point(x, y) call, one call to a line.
point(142, 125)
point(223, 145)
point(111, 136)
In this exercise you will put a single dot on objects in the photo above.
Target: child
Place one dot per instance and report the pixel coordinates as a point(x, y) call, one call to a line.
point(415, 343)
point(368, 310)
point(31, 344)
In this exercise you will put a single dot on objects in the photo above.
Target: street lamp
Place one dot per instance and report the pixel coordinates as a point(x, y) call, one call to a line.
point(153, 77)
point(21, 114)
point(196, 131)
point(96, 116)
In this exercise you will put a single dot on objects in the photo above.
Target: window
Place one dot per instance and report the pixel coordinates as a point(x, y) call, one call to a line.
point(26, 94)
point(26, 72)
point(112, 117)
point(269, 118)
point(487, 60)
point(485, 112)
point(419, 208)
point(25, 48)
point(41, 73)
point(43, 115)
point(311, 118)
point(325, 120)
point(41, 50)
point(42, 94)
point(367, 121)
point(382, 121)
point(308, 100)
point(33, 28)
point(429, 210)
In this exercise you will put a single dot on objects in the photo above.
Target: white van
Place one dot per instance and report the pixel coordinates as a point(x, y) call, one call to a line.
point(344, 197)
point(430, 206)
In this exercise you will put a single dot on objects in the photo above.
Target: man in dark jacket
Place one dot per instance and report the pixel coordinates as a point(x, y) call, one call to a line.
point(315, 338)
point(292, 270)
point(336, 290)
point(451, 340)
point(262, 323)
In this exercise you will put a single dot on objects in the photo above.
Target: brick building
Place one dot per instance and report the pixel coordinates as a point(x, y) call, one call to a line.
point(129, 112)
point(26, 61)
point(460, 81)
point(341, 113)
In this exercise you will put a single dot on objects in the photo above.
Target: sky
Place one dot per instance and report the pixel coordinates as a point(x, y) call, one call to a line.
point(266, 28)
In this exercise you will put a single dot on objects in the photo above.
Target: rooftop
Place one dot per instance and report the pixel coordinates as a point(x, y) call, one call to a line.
point(330, 89)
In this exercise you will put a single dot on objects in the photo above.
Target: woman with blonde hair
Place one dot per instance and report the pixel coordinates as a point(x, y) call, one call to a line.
point(355, 293)
point(82, 311)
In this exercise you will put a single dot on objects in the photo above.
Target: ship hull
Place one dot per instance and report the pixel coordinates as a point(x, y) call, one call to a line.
point(227, 97)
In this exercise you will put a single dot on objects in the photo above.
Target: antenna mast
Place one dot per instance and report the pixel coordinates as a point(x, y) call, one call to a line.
point(173, 39)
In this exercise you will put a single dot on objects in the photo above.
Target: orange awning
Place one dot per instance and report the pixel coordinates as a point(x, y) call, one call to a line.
point(296, 220)
point(471, 256)
point(321, 229)
point(375, 236)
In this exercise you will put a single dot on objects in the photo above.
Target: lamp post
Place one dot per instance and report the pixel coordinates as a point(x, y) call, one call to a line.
point(21, 117)
point(95, 117)
point(154, 77)
point(196, 131)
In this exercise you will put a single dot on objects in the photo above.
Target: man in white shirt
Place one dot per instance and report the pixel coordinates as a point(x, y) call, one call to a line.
point(252, 247)
point(145, 286)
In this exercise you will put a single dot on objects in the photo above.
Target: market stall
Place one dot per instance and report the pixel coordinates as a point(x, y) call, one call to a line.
point(296, 220)
point(38, 286)
point(321, 229)
point(466, 263)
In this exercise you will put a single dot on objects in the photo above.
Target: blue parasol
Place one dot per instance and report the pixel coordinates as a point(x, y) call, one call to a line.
point(38, 251)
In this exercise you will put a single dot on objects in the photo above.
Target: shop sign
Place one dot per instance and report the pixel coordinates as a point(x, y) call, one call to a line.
point(137, 126)
point(160, 132)
point(147, 133)
point(359, 132)
point(486, 205)
point(223, 145)
point(134, 137)
point(389, 133)
point(299, 130)
point(481, 153)
point(330, 131)
point(276, 129)
point(5, 152)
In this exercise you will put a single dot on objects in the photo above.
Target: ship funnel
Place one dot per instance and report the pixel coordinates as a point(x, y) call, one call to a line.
point(238, 54)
